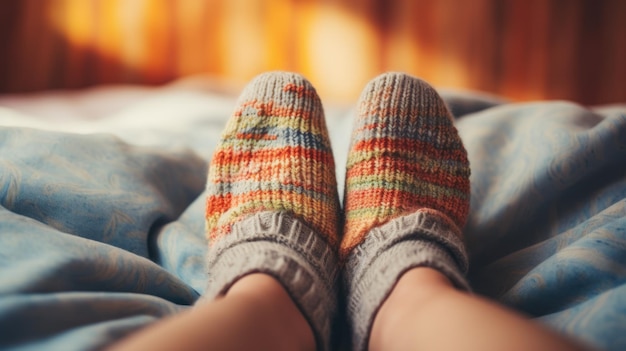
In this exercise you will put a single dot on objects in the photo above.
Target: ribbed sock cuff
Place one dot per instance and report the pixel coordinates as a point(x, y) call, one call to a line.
point(372, 269)
point(278, 244)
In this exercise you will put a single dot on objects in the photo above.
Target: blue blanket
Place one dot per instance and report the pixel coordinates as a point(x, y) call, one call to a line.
point(100, 236)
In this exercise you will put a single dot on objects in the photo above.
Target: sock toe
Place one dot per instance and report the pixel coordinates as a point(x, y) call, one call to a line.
point(272, 203)
point(275, 154)
point(405, 155)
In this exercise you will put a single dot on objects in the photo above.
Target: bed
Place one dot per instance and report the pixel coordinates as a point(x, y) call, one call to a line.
point(101, 209)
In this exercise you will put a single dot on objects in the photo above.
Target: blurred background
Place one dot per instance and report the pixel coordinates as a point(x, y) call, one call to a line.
point(521, 49)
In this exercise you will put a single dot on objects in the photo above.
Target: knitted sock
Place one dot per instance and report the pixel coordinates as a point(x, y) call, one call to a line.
point(407, 195)
point(272, 203)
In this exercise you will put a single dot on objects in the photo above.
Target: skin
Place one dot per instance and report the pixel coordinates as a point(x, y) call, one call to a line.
point(423, 312)
point(253, 315)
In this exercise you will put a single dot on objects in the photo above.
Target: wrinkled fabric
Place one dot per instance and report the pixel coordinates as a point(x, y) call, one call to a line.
point(102, 234)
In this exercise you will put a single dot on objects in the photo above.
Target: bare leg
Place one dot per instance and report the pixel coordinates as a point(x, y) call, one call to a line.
point(254, 315)
point(272, 218)
point(407, 200)
point(425, 312)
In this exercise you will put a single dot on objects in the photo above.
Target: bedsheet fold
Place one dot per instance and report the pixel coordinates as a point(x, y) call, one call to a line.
point(101, 221)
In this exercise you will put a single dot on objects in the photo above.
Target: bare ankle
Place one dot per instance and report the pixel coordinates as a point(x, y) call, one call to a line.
point(266, 291)
point(414, 288)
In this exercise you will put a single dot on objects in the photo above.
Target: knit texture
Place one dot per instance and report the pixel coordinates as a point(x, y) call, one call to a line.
point(274, 155)
point(272, 203)
point(278, 244)
point(407, 195)
point(405, 155)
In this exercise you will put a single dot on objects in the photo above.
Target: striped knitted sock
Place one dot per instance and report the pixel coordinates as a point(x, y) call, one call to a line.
point(407, 195)
point(272, 203)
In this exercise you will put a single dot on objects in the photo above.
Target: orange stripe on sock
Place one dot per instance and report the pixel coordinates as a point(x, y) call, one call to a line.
point(409, 202)
point(300, 90)
point(270, 109)
point(439, 177)
point(228, 155)
point(405, 144)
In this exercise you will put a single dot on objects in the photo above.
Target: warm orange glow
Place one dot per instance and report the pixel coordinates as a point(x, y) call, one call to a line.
point(192, 55)
point(279, 31)
point(74, 22)
point(341, 51)
point(244, 48)
point(339, 45)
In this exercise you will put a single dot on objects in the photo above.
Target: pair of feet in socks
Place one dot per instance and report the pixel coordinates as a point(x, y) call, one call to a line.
point(273, 207)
